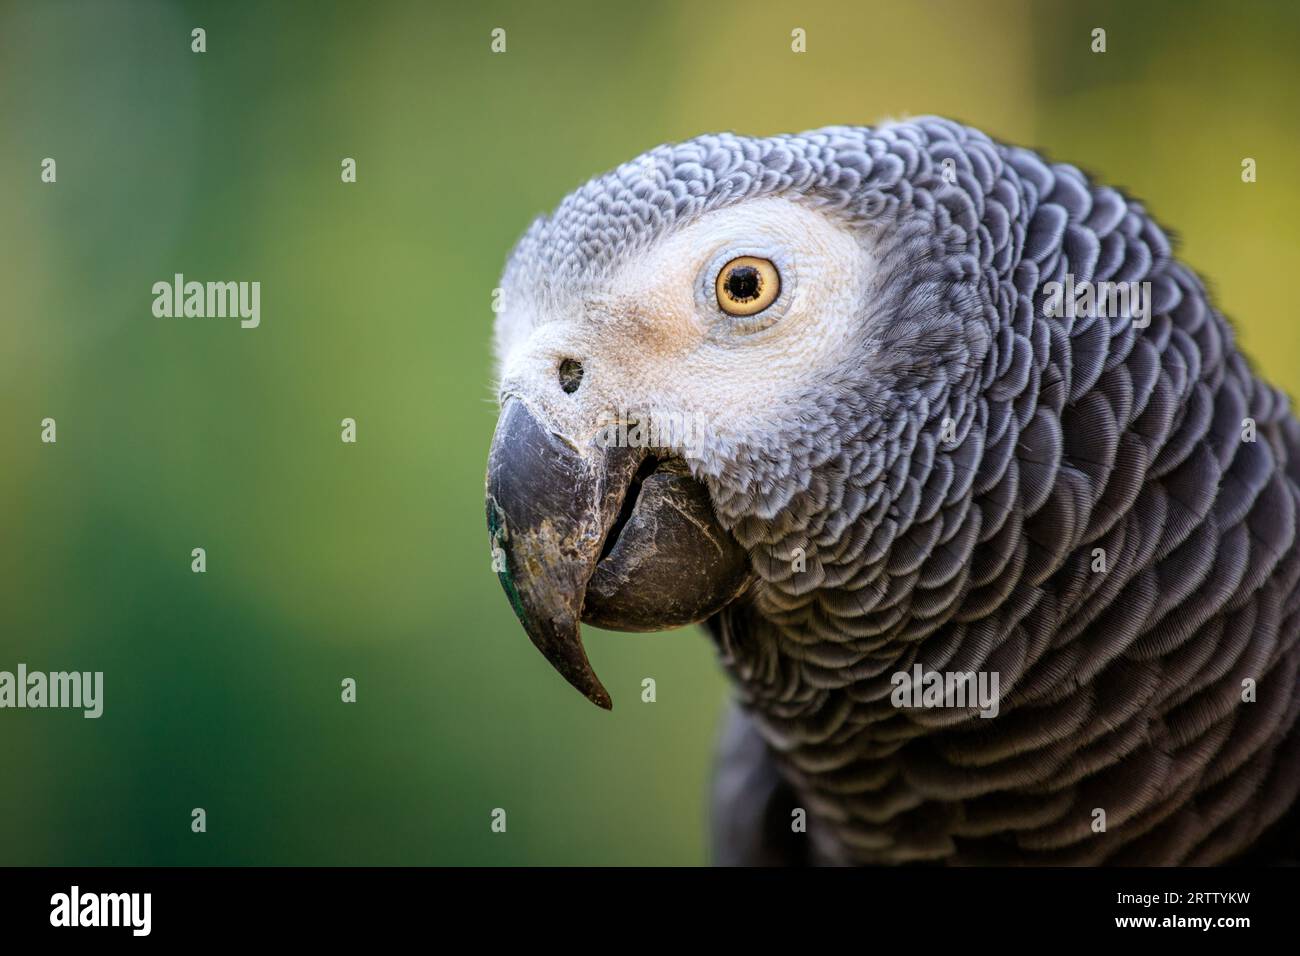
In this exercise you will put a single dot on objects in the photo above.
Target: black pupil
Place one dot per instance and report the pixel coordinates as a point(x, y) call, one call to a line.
point(743, 283)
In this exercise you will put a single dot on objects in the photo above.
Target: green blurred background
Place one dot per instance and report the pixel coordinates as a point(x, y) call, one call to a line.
point(370, 561)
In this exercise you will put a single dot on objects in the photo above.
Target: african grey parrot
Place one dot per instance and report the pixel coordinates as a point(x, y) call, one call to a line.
point(910, 461)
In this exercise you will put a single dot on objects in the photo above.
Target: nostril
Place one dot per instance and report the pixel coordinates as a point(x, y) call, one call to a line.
point(570, 375)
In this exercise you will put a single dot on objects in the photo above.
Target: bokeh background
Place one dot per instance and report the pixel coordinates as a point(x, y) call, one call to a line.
point(328, 560)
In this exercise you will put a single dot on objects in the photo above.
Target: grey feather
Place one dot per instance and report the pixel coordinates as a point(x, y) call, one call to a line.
point(1120, 690)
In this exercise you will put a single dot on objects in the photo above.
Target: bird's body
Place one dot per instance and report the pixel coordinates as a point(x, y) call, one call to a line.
point(1100, 509)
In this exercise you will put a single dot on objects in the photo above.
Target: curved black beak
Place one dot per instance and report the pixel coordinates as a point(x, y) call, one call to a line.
point(609, 535)
point(548, 509)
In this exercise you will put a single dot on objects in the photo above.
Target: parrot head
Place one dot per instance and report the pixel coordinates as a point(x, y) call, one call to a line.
point(820, 391)
point(709, 360)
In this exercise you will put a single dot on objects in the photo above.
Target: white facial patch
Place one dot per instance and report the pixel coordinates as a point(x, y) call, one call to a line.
point(653, 340)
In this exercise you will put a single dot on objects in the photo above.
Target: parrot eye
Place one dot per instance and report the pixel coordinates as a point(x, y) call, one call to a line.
point(747, 285)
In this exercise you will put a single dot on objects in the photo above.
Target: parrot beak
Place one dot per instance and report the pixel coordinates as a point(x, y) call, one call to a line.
point(612, 536)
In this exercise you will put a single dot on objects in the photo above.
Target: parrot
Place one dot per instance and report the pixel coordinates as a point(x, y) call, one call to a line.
point(878, 403)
